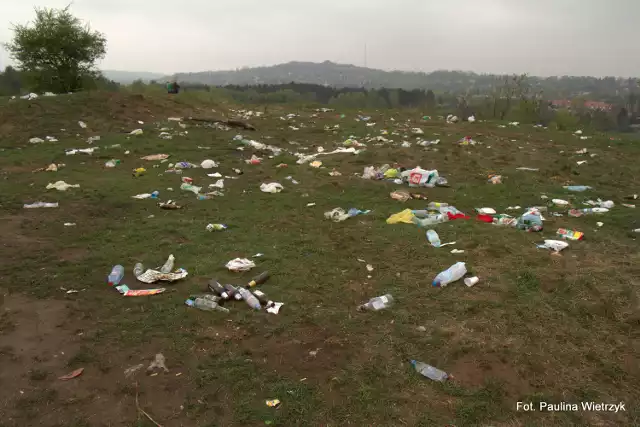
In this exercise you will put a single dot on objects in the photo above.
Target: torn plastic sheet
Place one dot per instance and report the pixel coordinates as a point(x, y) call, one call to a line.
point(151, 276)
point(125, 291)
point(240, 264)
point(304, 159)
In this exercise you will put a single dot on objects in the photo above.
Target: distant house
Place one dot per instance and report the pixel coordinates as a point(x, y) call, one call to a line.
point(591, 105)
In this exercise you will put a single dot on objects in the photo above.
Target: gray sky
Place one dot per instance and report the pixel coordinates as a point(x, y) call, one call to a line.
point(539, 37)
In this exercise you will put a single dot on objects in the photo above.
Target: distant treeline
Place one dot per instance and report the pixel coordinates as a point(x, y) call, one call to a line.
point(317, 94)
point(15, 82)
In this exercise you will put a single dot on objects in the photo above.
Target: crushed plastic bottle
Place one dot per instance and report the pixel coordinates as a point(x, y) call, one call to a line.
point(433, 238)
point(116, 275)
point(168, 265)
point(529, 222)
point(138, 269)
point(377, 303)
point(206, 304)
point(450, 275)
point(429, 371)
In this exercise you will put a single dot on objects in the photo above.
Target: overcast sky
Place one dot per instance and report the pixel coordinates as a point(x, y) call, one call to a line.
point(539, 37)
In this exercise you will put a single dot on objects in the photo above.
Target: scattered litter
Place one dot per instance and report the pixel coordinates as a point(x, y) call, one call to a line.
point(599, 224)
point(581, 162)
point(560, 202)
point(430, 371)
point(218, 184)
point(69, 224)
point(254, 160)
point(570, 234)
point(240, 264)
point(139, 172)
point(450, 275)
point(402, 196)
point(136, 132)
point(470, 281)
point(169, 204)
point(555, 245)
point(74, 151)
point(377, 303)
point(495, 179)
point(339, 214)
point(40, 205)
point(272, 187)
point(155, 157)
point(152, 276)
point(72, 375)
point(158, 363)
point(83, 125)
point(273, 403)
point(216, 227)
point(310, 204)
point(132, 370)
point(315, 164)
point(61, 186)
point(528, 169)
point(369, 267)
point(36, 140)
point(577, 188)
point(457, 251)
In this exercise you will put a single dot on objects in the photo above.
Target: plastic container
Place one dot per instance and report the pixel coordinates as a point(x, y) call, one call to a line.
point(377, 303)
point(570, 234)
point(529, 222)
point(217, 288)
point(433, 238)
point(138, 269)
point(116, 275)
point(436, 206)
point(249, 298)
point(206, 304)
point(168, 265)
point(429, 371)
point(450, 275)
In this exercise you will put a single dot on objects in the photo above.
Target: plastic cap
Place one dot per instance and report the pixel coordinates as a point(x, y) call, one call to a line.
point(189, 302)
point(436, 283)
point(413, 362)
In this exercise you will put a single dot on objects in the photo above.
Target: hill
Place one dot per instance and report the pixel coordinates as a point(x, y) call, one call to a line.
point(344, 75)
point(127, 77)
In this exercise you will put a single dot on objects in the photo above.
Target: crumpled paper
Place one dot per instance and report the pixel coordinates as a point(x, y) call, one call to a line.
point(152, 276)
point(240, 264)
point(155, 157)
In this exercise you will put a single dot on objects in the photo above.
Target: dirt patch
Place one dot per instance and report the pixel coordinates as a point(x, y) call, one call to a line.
point(476, 370)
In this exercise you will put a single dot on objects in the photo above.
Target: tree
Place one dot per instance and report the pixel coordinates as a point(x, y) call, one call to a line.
point(430, 100)
point(57, 52)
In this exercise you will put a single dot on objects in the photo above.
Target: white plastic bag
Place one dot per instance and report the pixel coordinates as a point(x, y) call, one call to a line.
point(272, 187)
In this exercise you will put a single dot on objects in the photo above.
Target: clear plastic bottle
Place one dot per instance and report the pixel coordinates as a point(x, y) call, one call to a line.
point(168, 265)
point(450, 275)
point(206, 304)
point(430, 371)
point(249, 298)
point(377, 303)
point(433, 238)
point(116, 275)
point(138, 269)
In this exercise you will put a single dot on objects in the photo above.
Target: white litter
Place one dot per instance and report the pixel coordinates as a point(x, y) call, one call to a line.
point(555, 245)
point(36, 140)
point(82, 124)
point(240, 264)
point(136, 132)
point(208, 164)
point(61, 186)
point(272, 187)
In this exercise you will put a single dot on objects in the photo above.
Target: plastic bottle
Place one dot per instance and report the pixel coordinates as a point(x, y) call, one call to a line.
point(262, 297)
point(217, 288)
point(377, 303)
point(233, 292)
point(577, 187)
point(259, 279)
point(529, 222)
point(116, 275)
point(450, 275)
point(433, 238)
point(138, 269)
point(429, 371)
point(249, 298)
point(155, 194)
point(206, 304)
point(168, 265)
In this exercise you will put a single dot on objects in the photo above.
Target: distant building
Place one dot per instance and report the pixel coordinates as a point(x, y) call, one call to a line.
point(591, 105)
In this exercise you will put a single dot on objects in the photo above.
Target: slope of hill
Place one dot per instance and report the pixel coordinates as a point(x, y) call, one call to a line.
point(344, 75)
point(127, 77)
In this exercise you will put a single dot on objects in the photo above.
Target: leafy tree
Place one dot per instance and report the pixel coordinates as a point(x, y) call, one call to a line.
point(56, 51)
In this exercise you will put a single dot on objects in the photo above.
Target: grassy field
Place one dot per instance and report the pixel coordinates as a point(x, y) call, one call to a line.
point(537, 327)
